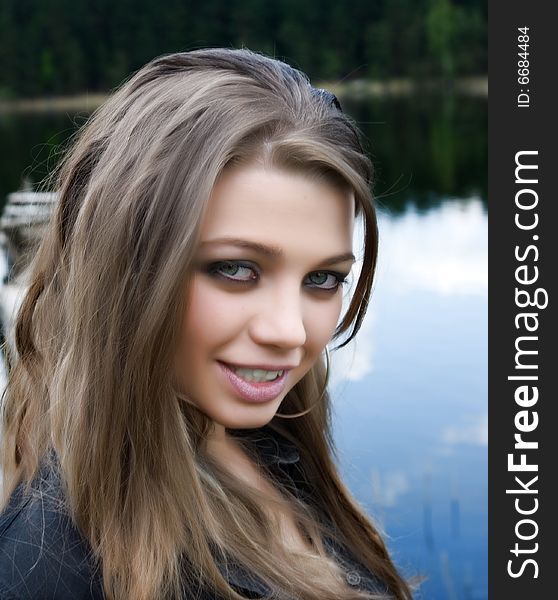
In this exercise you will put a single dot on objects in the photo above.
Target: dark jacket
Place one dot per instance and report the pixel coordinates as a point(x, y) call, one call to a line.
point(43, 556)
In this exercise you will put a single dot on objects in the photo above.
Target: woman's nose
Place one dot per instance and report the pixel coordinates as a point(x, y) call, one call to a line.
point(279, 320)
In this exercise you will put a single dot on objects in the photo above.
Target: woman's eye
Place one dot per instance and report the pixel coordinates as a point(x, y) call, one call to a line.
point(233, 271)
point(243, 273)
point(333, 280)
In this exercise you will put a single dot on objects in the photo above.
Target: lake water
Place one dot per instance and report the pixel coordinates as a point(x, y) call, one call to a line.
point(410, 394)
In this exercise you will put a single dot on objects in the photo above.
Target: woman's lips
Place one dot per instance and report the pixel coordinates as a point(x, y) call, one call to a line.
point(253, 391)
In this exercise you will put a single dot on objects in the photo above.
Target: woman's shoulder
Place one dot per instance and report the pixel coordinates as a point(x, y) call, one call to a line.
point(42, 554)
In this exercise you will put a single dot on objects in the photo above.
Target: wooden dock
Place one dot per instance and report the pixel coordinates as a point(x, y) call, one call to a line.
point(22, 224)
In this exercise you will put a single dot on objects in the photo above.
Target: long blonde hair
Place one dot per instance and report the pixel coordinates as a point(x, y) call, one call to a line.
point(96, 331)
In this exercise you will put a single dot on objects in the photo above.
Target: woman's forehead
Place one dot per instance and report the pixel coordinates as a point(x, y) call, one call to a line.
point(279, 207)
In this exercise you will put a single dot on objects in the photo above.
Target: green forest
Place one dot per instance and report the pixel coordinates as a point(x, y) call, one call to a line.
point(63, 47)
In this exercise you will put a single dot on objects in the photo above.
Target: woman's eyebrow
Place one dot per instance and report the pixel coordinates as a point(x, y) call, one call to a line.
point(274, 251)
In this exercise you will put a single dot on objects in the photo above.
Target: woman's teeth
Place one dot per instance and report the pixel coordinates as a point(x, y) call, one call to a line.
point(256, 374)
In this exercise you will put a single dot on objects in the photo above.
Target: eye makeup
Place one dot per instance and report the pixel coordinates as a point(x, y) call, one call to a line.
point(245, 273)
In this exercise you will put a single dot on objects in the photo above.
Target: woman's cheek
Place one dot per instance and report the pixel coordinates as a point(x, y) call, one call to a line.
point(322, 322)
point(208, 307)
point(215, 316)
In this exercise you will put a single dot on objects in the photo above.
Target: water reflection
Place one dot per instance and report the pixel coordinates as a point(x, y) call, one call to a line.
point(425, 148)
point(410, 396)
point(31, 147)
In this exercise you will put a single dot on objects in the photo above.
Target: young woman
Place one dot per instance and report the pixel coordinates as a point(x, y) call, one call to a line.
point(166, 425)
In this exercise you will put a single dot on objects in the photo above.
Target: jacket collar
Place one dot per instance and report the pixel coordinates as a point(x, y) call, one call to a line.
point(273, 447)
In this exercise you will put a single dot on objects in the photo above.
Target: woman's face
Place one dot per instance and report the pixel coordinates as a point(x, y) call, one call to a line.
point(265, 290)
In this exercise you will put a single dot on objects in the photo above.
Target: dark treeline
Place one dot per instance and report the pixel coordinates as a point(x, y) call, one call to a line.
point(52, 47)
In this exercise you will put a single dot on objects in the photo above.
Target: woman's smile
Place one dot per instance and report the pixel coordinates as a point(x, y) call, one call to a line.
point(254, 389)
